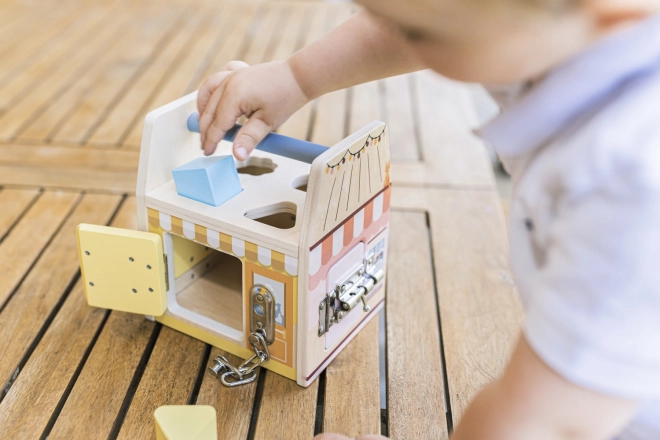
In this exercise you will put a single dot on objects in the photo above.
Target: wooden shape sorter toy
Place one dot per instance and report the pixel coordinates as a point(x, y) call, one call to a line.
point(284, 273)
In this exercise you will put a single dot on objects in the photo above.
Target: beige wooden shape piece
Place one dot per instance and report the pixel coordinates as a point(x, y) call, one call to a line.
point(185, 422)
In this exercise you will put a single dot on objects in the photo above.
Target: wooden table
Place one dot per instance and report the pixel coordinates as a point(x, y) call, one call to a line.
point(76, 79)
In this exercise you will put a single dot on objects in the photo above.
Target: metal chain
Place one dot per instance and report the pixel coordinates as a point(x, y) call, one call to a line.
point(246, 372)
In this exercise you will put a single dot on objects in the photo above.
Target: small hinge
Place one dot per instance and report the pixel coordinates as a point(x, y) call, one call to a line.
point(167, 275)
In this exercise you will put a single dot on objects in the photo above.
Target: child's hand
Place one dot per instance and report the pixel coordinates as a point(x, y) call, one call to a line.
point(266, 93)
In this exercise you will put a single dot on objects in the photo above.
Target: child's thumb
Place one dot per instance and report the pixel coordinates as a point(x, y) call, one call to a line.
point(247, 138)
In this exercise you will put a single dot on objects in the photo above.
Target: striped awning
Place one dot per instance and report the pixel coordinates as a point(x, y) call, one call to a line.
point(226, 243)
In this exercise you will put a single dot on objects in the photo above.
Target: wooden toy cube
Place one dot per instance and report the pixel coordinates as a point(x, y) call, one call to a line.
point(210, 180)
point(298, 257)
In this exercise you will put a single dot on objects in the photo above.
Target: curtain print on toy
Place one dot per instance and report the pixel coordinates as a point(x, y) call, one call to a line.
point(354, 176)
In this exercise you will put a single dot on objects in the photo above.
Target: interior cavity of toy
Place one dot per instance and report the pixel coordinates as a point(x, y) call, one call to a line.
point(209, 292)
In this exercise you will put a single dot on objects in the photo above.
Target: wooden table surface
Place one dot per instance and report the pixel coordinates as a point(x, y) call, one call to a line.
point(76, 80)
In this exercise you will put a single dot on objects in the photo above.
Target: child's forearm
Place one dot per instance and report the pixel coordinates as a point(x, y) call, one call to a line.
point(362, 49)
point(531, 401)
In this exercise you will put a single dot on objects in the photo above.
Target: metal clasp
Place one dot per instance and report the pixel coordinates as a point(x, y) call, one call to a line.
point(262, 325)
point(348, 294)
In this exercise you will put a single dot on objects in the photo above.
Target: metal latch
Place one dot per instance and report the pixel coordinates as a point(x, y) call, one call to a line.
point(262, 328)
point(348, 294)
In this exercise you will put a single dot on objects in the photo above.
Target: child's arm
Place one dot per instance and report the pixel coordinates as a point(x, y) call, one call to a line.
point(531, 401)
point(360, 50)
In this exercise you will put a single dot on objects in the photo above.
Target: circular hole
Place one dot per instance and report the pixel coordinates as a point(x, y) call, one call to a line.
point(131, 259)
point(150, 289)
point(149, 266)
point(259, 310)
point(86, 252)
point(134, 291)
point(91, 284)
point(192, 259)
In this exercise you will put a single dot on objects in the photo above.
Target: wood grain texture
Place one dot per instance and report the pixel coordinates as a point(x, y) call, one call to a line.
point(60, 166)
point(14, 202)
point(40, 292)
point(451, 156)
point(53, 54)
point(131, 105)
point(95, 400)
point(42, 384)
point(287, 410)
point(55, 82)
point(22, 246)
point(68, 117)
point(167, 380)
point(415, 387)
point(233, 405)
point(352, 399)
point(234, 30)
point(480, 311)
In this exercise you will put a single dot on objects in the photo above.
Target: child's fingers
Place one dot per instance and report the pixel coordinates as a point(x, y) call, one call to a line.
point(247, 138)
point(213, 82)
point(209, 86)
point(224, 118)
point(207, 117)
point(235, 65)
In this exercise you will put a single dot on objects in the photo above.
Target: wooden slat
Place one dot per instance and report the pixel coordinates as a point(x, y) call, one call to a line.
point(41, 386)
point(365, 105)
point(400, 118)
point(23, 245)
point(71, 167)
point(58, 81)
point(451, 155)
point(19, 22)
point(246, 18)
point(67, 157)
point(24, 316)
point(480, 311)
point(352, 395)
point(54, 54)
point(97, 396)
point(179, 83)
point(113, 82)
point(415, 388)
point(91, 93)
point(19, 55)
point(168, 380)
point(269, 29)
point(233, 405)
point(126, 111)
point(287, 410)
point(13, 203)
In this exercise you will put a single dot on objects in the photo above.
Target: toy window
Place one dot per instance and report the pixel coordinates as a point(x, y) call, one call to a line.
point(208, 283)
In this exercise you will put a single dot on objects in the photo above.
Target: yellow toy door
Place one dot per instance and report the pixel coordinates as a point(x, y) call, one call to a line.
point(123, 269)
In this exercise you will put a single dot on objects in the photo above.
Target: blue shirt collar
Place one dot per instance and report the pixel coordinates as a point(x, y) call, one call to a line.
point(574, 87)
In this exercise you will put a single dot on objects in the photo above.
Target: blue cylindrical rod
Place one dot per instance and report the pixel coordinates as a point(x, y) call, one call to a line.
point(273, 143)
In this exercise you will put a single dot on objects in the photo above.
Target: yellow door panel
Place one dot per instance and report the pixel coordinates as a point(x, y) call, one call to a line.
point(187, 254)
point(123, 269)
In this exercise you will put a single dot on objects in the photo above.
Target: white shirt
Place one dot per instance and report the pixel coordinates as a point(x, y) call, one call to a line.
point(583, 150)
